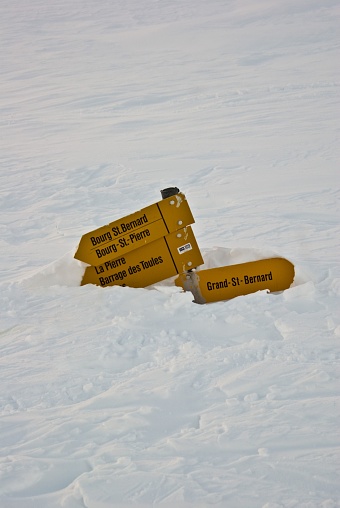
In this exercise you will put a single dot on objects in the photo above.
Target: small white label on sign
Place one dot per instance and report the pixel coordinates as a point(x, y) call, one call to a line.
point(184, 248)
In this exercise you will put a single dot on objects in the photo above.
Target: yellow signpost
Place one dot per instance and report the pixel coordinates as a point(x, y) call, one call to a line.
point(159, 260)
point(157, 242)
point(135, 230)
point(215, 284)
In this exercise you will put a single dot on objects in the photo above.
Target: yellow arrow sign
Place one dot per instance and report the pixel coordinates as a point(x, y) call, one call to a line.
point(159, 260)
point(215, 284)
point(135, 230)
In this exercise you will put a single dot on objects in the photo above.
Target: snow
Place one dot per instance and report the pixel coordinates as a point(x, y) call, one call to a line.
point(121, 397)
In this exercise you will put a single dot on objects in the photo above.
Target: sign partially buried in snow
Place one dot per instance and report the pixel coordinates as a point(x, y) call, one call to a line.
point(215, 284)
point(159, 260)
point(157, 243)
point(136, 230)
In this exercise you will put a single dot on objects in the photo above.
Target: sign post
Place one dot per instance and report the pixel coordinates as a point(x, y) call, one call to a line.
point(136, 230)
point(159, 260)
point(215, 284)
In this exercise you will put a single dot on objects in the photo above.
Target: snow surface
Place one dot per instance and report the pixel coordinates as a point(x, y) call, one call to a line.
point(122, 397)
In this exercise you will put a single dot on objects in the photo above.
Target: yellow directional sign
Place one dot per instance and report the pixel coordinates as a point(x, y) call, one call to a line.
point(215, 284)
point(135, 230)
point(159, 260)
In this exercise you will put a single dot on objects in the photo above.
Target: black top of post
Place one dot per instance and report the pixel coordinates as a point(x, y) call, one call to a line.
point(169, 191)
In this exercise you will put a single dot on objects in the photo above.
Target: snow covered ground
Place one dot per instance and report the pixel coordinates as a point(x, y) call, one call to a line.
point(122, 397)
